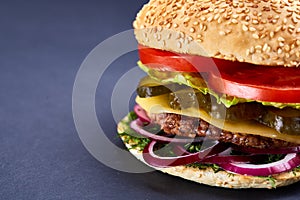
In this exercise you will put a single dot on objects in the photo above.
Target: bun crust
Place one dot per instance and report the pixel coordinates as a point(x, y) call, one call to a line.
point(219, 179)
point(258, 32)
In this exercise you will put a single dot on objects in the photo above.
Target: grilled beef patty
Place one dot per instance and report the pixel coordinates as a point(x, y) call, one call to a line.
point(180, 125)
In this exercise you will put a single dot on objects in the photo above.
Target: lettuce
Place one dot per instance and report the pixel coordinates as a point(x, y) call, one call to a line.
point(196, 82)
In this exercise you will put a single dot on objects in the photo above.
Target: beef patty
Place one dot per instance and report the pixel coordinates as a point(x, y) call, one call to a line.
point(180, 125)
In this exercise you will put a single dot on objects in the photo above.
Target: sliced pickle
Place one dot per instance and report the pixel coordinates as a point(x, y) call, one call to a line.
point(286, 121)
point(187, 99)
point(149, 87)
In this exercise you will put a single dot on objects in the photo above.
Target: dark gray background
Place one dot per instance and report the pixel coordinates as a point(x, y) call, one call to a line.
point(42, 44)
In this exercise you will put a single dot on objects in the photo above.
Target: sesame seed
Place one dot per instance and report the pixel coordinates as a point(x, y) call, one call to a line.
point(210, 18)
point(287, 48)
point(244, 27)
point(247, 18)
point(263, 36)
point(247, 52)
point(201, 26)
point(291, 26)
point(178, 44)
point(158, 37)
point(234, 21)
point(217, 16)
point(280, 39)
point(220, 20)
point(192, 30)
point(252, 29)
point(169, 36)
point(281, 44)
point(186, 20)
point(181, 34)
point(290, 30)
point(257, 47)
point(265, 47)
point(254, 35)
point(189, 39)
point(294, 20)
point(222, 10)
point(278, 28)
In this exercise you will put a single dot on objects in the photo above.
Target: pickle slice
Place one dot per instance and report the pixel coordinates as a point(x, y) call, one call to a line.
point(149, 87)
point(286, 120)
point(186, 99)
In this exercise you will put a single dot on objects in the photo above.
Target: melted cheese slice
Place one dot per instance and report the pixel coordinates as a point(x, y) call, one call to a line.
point(159, 104)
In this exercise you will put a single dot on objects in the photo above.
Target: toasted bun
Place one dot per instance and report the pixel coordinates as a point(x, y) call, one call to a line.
point(209, 177)
point(258, 32)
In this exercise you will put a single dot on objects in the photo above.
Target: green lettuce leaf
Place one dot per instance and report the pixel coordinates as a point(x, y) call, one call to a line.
point(196, 82)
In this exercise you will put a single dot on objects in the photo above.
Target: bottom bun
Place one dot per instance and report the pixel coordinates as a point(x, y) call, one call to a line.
point(209, 176)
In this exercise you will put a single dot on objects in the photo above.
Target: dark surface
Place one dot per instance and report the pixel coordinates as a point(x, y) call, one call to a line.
point(42, 45)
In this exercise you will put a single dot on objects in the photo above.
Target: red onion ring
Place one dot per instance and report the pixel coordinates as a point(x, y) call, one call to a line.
point(252, 150)
point(289, 162)
point(158, 161)
point(219, 159)
point(141, 113)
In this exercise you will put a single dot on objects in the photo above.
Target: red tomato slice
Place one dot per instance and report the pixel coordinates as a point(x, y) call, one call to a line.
point(244, 80)
point(262, 83)
point(169, 61)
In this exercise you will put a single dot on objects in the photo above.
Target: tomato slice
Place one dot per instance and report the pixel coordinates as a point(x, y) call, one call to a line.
point(244, 80)
point(169, 61)
point(262, 83)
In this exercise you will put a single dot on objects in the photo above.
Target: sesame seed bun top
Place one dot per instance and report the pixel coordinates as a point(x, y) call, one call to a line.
point(264, 32)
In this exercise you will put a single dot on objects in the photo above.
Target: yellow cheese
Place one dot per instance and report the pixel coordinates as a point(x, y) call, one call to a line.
point(159, 104)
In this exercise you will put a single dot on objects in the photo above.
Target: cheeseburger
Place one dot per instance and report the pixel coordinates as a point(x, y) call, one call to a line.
point(220, 104)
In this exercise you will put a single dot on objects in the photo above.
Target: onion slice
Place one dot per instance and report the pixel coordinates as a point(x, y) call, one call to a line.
point(135, 125)
point(224, 159)
point(158, 161)
point(253, 150)
point(289, 162)
point(141, 113)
